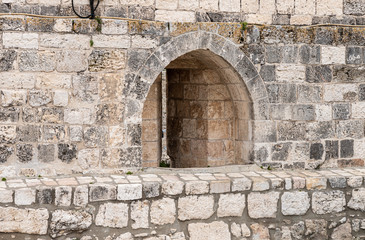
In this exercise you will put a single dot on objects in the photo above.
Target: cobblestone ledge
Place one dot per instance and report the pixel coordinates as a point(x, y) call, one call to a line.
point(231, 205)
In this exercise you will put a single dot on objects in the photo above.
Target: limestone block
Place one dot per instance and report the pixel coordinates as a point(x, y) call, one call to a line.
point(64, 41)
point(81, 196)
point(62, 25)
point(333, 55)
point(172, 187)
point(113, 215)
point(129, 192)
point(52, 81)
point(231, 205)
point(102, 192)
point(124, 236)
point(260, 184)
point(110, 41)
point(32, 61)
point(316, 183)
point(174, 16)
point(267, 7)
point(263, 205)
point(329, 7)
point(340, 92)
point(195, 207)
point(259, 232)
point(139, 214)
point(71, 61)
point(114, 27)
point(29, 221)
point(357, 201)
point(316, 228)
point(290, 73)
point(265, 131)
point(196, 187)
point(358, 110)
point(106, 60)
point(13, 97)
point(151, 189)
point(359, 148)
point(166, 4)
point(88, 158)
point(250, 6)
point(241, 184)
point(328, 202)
point(245, 230)
point(6, 196)
point(212, 231)
point(188, 4)
point(236, 230)
point(209, 5)
point(79, 116)
point(139, 41)
point(301, 20)
point(305, 7)
point(39, 98)
point(20, 40)
point(323, 112)
point(24, 196)
point(285, 6)
point(295, 203)
point(63, 196)
point(342, 232)
point(65, 222)
point(221, 186)
point(229, 5)
point(60, 98)
point(7, 134)
point(355, 181)
point(337, 181)
point(12, 80)
point(163, 211)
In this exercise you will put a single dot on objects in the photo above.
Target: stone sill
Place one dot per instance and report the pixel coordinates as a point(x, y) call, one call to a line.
point(28, 191)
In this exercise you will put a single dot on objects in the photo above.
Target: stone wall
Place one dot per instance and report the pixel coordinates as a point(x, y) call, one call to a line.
point(73, 92)
point(296, 12)
point(222, 206)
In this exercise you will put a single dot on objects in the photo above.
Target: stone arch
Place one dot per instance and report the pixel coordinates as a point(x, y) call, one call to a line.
point(225, 54)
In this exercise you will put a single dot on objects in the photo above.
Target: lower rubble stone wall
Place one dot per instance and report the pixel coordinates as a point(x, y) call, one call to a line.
point(176, 206)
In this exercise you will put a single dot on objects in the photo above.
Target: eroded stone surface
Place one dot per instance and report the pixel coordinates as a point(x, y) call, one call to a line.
point(65, 222)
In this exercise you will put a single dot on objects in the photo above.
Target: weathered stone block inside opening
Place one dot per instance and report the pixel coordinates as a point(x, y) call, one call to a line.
point(208, 119)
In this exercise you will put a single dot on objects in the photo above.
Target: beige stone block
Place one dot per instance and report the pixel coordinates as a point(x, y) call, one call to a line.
point(110, 41)
point(339, 92)
point(216, 109)
point(243, 110)
point(263, 205)
point(150, 151)
point(139, 214)
point(64, 41)
point(301, 20)
point(113, 215)
point(172, 187)
point(209, 5)
point(250, 6)
point(174, 16)
point(114, 27)
point(290, 73)
point(196, 187)
point(329, 7)
point(52, 81)
point(229, 111)
point(166, 4)
point(218, 129)
point(150, 130)
point(215, 149)
point(305, 7)
point(198, 109)
point(259, 18)
point(163, 211)
point(111, 85)
point(285, 6)
point(188, 4)
point(230, 5)
point(358, 110)
point(316, 183)
point(146, 3)
point(189, 128)
point(63, 25)
point(333, 55)
point(260, 232)
point(231, 205)
point(218, 92)
point(183, 108)
point(151, 110)
point(267, 7)
point(323, 112)
point(195, 207)
point(212, 231)
point(220, 186)
point(20, 40)
point(139, 41)
point(191, 92)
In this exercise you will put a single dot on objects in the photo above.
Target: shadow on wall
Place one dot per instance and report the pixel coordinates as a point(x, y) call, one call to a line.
point(209, 114)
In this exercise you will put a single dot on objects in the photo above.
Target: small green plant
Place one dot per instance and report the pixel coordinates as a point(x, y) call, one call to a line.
point(100, 22)
point(91, 43)
point(3, 179)
point(164, 164)
point(262, 167)
point(269, 168)
point(39, 176)
point(91, 182)
point(129, 173)
point(243, 26)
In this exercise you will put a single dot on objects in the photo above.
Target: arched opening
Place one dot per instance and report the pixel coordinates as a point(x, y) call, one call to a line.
point(208, 114)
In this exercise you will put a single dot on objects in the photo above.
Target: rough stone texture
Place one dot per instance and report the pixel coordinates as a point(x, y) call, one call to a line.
point(24, 196)
point(65, 222)
point(81, 196)
point(129, 191)
point(231, 205)
point(172, 187)
point(196, 187)
point(316, 229)
point(357, 201)
point(295, 203)
point(195, 207)
point(139, 214)
point(113, 215)
point(102, 192)
point(328, 202)
point(342, 232)
point(163, 211)
point(259, 232)
point(212, 231)
point(63, 196)
point(262, 205)
point(28, 221)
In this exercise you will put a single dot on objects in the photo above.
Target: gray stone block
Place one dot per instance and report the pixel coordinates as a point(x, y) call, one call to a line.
point(54, 133)
point(96, 136)
point(102, 193)
point(85, 88)
point(303, 112)
point(273, 54)
point(51, 115)
point(282, 93)
point(320, 130)
point(67, 152)
point(134, 133)
point(256, 53)
point(46, 153)
point(350, 129)
point(316, 151)
point(130, 157)
point(139, 12)
point(32, 61)
point(151, 189)
point(341, 111)
point(337, 182)
point(281, 19)
point(309, 94)
point(28, 133)
point(348, 74)
point(280, 152)
point(267, 73)
point(347, 148)
point(9, 115)
point(324, 36)
point(45, 195)
point(362, 92)
point(39, 98)
point(331, 149)
point(318, 74)
point(290, 54)
point(291, 131)
point(246, 69)
point(24, 152)
point(7, 58)
point(310, 54)
point(354, 7)
point(354, 55)
point(5, 153)
point(40, 24)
